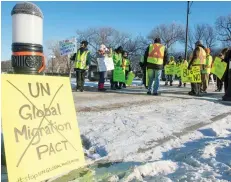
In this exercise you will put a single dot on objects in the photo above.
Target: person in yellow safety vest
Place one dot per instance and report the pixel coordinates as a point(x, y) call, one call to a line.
point(126, 65)
point(155, 58)
point(117, 59)
point(220, 82)
point(182, 63)
point(82, 61)
point(198, 59)
point(169, 78)
point(206, 71)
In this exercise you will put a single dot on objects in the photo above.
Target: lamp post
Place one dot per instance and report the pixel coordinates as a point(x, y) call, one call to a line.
point(186, 41)
point(52, 63)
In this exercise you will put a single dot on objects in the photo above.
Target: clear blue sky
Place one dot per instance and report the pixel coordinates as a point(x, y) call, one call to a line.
point(62, 19)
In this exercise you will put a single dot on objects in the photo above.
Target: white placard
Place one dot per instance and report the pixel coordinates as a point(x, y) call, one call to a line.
point(105, 64)
point(67, 46)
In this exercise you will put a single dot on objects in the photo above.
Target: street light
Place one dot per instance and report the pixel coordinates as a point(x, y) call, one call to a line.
point(52, 62)
point(186, 42)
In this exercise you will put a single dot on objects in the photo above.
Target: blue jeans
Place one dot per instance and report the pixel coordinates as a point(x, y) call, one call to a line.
point(153, 73)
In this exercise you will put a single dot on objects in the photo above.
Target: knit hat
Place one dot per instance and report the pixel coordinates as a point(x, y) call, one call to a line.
point(103, 48)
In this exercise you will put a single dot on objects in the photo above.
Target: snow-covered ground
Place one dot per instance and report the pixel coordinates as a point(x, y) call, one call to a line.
point(174, 137)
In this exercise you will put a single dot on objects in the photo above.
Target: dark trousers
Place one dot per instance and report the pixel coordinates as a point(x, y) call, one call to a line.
point(169, 78)
point(80, 77)
point(226, 78)
point(219, 84)
point(195, 88)
point(102, 76)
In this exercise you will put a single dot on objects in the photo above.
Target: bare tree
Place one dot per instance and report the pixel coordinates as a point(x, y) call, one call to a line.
point(210, 36)
point(169, 34)
point(203, 32)
point(60, 64)
point(223, 27)
point(113, 38)
point(136, 48)
point(104, 35)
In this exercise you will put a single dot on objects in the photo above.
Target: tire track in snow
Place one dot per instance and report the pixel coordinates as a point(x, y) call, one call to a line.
point(185, 131)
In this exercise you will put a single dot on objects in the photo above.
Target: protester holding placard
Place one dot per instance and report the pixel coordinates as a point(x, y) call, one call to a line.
point(221, 59)
point(198, 59)
point(227, 59)
point(183, 64)
point(206, 71)
point(169, 78)
point(82, 62)
point(155, 58)
point(102, 54)
point(227, 76)
point(117, 59)
point(126, 65)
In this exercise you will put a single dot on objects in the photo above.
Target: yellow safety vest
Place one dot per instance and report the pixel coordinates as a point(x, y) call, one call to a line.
point(117, 59)
point(81, 60)
point(201, 60)
point(125, 64)
point(209, 60)
point(156, 54)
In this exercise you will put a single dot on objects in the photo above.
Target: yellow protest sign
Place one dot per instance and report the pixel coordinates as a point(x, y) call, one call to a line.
point(219, 67)
point(40, 129)
point(178, 70)
point(193, 75)
point(130, 78)
point(169, 69)
point(185, 75)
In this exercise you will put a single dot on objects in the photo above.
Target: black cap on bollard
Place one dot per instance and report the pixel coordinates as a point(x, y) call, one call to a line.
point(27, 50)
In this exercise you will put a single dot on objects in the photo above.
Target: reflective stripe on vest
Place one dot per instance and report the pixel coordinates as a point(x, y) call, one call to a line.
point(81, 60)
point(126, 64)
point(156, 54)
point(201, 59)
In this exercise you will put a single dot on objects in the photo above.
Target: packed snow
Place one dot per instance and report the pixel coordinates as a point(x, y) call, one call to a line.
point(168, 138)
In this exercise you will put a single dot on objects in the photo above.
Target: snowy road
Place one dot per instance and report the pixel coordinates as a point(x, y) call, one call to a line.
point(183, 138)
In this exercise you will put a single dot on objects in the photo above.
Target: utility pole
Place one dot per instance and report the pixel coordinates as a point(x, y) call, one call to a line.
point(186, 42)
